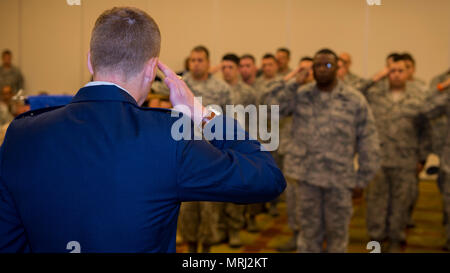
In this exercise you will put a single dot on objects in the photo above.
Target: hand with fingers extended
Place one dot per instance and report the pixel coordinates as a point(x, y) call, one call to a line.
point(381, 75)
point(444, 85)
point(181, 96)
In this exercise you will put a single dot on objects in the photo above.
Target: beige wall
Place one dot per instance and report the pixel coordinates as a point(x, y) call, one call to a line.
point(50, 39)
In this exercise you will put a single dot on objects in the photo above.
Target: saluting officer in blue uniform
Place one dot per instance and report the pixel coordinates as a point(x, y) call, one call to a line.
point(106, 175)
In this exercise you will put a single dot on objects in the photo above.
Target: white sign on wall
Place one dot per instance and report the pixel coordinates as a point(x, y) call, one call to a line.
point(73, 2)
point(373, 2)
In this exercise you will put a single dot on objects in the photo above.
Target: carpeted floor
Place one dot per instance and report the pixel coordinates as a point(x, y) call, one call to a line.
point(427, 236)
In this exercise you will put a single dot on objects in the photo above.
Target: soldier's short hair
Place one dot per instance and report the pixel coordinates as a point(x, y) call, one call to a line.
point(269, 56)
point(408, 57)
point(123, 40)
point(398, 58)
point(201, 48)
point(248, 56)
point(285, 50)
point(327, 51)
point(392, 55)
point(6, 52)
point(306, 58)
point(231, 57)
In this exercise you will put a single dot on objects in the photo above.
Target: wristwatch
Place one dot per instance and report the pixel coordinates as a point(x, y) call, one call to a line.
point(210, 114)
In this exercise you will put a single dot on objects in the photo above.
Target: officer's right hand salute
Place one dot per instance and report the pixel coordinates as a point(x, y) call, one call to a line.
point(228, 170)
point(181, 96)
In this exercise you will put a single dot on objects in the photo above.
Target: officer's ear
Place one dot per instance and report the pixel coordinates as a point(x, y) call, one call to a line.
point(150, 69)
point(89, 64)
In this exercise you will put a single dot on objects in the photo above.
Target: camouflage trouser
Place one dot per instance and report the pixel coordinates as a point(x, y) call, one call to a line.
point(254, 209)
point(414, 196)
point(292, 203)
point(388, 198)
point(446, 197)
point(199, 222)
point(278, 157)
point(441, 182)
point(325, 215)
point(232, 216)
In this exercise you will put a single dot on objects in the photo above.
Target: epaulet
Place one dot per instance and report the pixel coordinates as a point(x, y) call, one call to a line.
point(36, 112)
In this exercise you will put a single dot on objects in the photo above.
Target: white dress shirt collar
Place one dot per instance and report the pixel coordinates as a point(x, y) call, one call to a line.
point(97, 83)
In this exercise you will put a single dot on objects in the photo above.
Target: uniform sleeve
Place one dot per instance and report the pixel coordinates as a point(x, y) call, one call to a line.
point(227, 170)
point(364, 86)
point(367, 146)
point(424, 136)
point(436, 103)
point(12, 233)
point(282, 94)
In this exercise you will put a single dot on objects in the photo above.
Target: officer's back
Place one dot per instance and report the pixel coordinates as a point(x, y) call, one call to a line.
point(102, 174)
point(78, 172)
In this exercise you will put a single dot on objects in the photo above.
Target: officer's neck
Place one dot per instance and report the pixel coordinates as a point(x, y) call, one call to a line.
point(136, 87)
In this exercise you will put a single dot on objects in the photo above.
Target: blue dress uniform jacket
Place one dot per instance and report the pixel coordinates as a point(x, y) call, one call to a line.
point(107, 174)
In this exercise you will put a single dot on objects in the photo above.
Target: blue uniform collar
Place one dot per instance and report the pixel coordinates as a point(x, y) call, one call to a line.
point(103, 93)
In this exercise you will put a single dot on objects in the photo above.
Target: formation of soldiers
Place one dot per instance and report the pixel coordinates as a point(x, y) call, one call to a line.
point(340, 134)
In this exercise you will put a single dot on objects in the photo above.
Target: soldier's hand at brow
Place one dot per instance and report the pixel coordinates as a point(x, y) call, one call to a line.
point(181, 96)
point(292, 74)
point(445, 83)
point(215, 69)
point(382, 74)
point(302, 75)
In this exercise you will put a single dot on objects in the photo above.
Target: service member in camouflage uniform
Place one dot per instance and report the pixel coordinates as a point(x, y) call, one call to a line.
point(283, 56)
point(439, 125)
point(346, 75)
point(303, 74)
point(6, 105)
point(331, 123)
point(232, 216)
point(401, 129)
point(269, 76)
point(439, 132)
point(379, 80)
point(9, 74)
point(267, 82)
point(199, 220)
point(438, 103)
point(248, 71)
point(411, 71)
point(241, 93)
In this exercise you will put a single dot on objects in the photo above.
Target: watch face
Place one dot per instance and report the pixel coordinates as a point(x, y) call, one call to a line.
point(214, 110)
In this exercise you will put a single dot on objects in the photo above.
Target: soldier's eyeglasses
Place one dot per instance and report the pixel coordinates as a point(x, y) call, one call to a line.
point(326, 65)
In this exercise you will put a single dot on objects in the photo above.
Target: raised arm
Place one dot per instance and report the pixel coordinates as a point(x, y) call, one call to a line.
point(220, 170)
point(367, 146)
point(437, 100)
